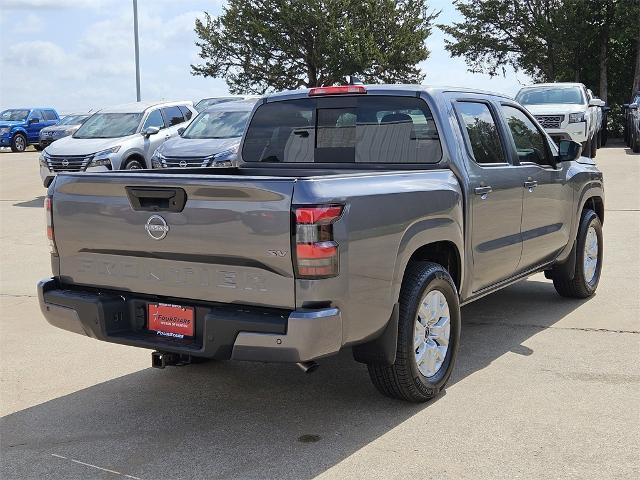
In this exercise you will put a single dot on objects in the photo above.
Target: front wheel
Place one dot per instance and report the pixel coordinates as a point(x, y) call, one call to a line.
point(38, 147)
point(594, 147)
point(428, 336)
point(586, 274)
point(133, 165)
point(18, 143)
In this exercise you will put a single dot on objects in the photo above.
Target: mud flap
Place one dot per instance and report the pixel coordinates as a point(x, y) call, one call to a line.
point(381, 350)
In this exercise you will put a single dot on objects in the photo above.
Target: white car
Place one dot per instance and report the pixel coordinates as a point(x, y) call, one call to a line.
point(117, 138)
point(567, 111)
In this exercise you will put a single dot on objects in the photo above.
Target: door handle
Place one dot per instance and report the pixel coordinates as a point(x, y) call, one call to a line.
point(530, 185)
point(482, 191)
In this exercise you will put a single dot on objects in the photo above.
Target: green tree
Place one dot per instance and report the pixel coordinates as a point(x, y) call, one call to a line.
point(589, 41)
point(260, 45)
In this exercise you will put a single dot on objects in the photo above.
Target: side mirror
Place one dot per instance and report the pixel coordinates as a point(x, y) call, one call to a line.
point(633, 106)
point(34, 120)
point(595, 102)
point(569, 151)
point(181, 131)
point(147, 132)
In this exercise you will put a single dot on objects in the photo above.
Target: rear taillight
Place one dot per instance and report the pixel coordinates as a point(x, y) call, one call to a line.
point(316, 250)
point(48, 209)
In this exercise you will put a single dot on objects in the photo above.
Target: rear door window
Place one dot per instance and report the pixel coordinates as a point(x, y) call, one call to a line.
point(50, 115)
point(373, 129)
point(185, 112)
point(172, 116)
point(482, 132)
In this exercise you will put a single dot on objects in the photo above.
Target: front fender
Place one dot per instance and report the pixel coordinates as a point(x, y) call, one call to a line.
point(588, 183)
point(17, 129)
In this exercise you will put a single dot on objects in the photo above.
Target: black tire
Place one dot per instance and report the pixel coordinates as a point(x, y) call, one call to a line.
point(19, 143)
point(38, 147)
point(586, 150)
point(403, 380)
point(133, 164)
point(594, 147)
point(579, 286)
point(635, 143)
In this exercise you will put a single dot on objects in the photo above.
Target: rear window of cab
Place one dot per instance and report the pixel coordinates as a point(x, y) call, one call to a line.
point(345, 129)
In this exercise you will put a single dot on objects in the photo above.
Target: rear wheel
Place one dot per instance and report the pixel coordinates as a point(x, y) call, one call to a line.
point(635, 143)
point(428, 336)
point(18, 143)
point(586, 274)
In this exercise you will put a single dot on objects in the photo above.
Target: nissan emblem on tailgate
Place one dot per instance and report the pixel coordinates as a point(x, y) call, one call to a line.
point(156, 227)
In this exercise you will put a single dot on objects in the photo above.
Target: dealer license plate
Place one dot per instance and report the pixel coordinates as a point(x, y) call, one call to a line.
point(173, 321)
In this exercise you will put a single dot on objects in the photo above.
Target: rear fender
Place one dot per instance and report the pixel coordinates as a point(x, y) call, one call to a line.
point(423, 233)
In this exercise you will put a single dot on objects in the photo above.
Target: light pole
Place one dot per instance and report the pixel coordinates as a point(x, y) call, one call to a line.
point(135, 39)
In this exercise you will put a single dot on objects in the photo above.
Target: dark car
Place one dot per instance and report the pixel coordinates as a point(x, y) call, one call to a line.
point(67, 126)
point(632, 123)
point(20, 127)
point(211, 139)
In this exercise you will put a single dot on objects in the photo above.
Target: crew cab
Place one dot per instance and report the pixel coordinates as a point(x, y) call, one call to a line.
point(567, 111)
point(20, 127)
point(359, 217)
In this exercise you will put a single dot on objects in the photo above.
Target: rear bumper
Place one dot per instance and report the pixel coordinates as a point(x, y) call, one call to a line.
point(223, 331)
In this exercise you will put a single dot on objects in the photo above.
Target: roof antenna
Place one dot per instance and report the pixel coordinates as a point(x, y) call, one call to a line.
point(353, 80)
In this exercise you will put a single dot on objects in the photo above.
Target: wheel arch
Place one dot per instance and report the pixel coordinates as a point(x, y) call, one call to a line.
point(133, 156)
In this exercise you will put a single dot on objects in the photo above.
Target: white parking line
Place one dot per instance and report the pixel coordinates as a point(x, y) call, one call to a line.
point(95, 466)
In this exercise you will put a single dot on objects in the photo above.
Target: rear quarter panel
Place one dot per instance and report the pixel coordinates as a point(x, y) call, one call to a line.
point(387, 217)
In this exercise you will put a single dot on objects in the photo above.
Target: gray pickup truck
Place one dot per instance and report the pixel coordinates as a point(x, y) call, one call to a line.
point(360, 216)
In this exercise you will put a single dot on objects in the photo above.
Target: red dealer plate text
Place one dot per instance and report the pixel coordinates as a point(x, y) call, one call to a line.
point(173, 321)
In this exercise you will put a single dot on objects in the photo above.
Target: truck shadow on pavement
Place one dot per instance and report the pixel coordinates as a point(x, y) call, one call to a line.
point(37, 202)
point(244, 420)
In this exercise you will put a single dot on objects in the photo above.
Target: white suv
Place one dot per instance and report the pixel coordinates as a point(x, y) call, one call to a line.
point(567, 111)
point(117, 138)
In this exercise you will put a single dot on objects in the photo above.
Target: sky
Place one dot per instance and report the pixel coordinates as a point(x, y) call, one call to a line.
point(77, 55)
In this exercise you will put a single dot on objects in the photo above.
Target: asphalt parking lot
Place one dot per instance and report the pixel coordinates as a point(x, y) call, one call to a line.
point(545, 387)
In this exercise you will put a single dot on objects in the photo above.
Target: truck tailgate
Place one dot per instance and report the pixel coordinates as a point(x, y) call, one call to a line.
point(231, 243)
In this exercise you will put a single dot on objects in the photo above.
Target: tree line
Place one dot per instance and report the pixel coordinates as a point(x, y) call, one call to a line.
point(262, 45)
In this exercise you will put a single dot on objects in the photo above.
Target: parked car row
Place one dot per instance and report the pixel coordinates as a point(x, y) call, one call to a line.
point(147, 135)
point(632, 123)
point(567, 111)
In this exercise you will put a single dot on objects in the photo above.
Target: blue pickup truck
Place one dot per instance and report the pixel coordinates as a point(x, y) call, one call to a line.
point(20, 127)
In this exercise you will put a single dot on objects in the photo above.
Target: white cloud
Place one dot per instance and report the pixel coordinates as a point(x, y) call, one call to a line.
point(50, 4)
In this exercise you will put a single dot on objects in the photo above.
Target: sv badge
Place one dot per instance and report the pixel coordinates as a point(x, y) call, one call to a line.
point(277, 253)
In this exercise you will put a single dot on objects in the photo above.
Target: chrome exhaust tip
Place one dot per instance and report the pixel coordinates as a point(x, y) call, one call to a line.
point(308, 367)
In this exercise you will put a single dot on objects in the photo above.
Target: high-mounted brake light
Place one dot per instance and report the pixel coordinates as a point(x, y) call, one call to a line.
point(339, 90)
point(48, 210)
point(316, 250)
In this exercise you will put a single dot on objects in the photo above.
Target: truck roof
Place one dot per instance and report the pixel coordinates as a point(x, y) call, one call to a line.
point(554, 84)
point(140, 107)
point(389, 89)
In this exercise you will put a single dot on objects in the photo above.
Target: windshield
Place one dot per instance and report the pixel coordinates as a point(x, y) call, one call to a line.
point(109, 125)
point(14, 115)
point(217, 124)
point(73, 119)
point(541, 96)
